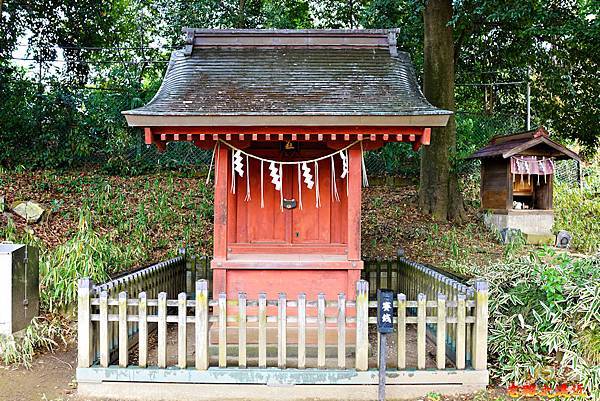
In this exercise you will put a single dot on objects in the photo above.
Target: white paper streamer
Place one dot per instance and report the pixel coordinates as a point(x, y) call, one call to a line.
point(334, 191)
point(247, 198)
point(308, 179)
point(317, 193)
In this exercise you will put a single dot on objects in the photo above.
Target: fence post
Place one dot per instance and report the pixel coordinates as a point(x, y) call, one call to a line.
point(440, 332)
point(281, 331)
point(123, 332)
point(301, 330)
point(201, 329)
point(341, 323)
point(362, 325)
point(401, 331)
point(103, 330)
point(262, 330)
point(460, 331)
point(222, 330)
point(321, 330)
point(421, 327)
point(162, 330)
point(481, 325)
point(143, 330)
point(84, 324)
point(182, 330)
point(242, 319)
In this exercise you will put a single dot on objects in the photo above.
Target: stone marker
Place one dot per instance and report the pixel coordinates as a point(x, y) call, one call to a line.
point(30, 211)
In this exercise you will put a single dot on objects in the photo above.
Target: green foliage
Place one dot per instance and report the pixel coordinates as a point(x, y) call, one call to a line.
point(577, 210)
point(43, 333)
point(87, 254)
point(545, 318)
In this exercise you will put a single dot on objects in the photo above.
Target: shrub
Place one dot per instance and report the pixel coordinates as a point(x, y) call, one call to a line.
point(577, 210)
point(545, 319)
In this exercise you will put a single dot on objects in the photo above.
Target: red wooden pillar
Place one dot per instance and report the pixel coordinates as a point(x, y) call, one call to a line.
point(354, 196)
point(220, 219)
point(354, 203)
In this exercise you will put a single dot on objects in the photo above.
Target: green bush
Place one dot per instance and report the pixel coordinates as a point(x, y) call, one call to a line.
point(577, 210)
point(545, 319)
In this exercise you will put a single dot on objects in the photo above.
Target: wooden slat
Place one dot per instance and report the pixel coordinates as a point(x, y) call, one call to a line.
point(242, 329)
point(222, 330)
point(480, 327)
point(262, 330)
point(460, 332)
point(301, 330)
point(182, 331)
point(440, 332)
point(401, 331)
point(281, 331)
point(389, 274)
point(142, 330)
point(421, 311)
point(84, 324)
point(362, 325)
point(103, 332)
point(341, 322)
point(162, 330)
point(123, 332)
point(321, 330)
point(201, 329)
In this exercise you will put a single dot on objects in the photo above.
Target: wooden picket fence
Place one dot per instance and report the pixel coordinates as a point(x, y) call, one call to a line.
point(110, 322)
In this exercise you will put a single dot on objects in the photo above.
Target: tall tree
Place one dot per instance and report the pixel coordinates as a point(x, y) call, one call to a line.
point(438, 193)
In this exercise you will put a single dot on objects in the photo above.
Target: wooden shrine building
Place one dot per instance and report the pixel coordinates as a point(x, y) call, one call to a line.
point(288, 114)
point(517, 174)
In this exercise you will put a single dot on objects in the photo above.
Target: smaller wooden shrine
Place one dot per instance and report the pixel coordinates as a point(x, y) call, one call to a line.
point(517, 174)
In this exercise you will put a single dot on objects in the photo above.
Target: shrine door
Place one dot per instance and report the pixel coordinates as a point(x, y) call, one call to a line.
point(305, 223)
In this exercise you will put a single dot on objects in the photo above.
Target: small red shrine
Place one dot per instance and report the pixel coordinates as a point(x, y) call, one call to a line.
point(288, 115)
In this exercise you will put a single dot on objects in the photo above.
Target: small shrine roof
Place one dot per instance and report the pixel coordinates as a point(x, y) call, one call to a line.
point(534, 142)
point(289, 77)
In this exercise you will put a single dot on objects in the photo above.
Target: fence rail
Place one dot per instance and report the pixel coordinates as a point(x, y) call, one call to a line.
point(299, 333)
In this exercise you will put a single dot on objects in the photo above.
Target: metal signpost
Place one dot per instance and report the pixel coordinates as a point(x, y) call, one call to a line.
point(385, 325)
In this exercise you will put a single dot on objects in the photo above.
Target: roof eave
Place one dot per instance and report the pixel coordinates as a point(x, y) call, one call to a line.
point(439, 119)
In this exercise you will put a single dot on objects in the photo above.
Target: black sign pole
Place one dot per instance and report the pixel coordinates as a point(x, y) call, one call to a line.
point(385, 325)
point(382, 363)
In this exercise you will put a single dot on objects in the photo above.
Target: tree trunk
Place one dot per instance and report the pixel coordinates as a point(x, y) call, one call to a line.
point(439, 193)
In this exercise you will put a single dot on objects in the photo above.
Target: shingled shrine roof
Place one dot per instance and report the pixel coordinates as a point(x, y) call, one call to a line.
point(533, 142)
point(290, 77)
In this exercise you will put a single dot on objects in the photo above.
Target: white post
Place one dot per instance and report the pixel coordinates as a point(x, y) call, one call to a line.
point(182, 330)
point(281, 331)
point(123, 331)
point(401, 331)
point(301, 330)
point(421, 327)
point(201, 329)
point(341, 322)
point(222, 330)
point(441, 332)
point(84, 324)
point(242, 329)
point(321, 331)
point(162, 330)
point(362, 325)
point(143, 330)
point(481, 325)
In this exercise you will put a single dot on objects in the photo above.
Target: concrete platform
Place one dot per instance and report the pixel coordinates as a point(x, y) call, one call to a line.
point(271, 383)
